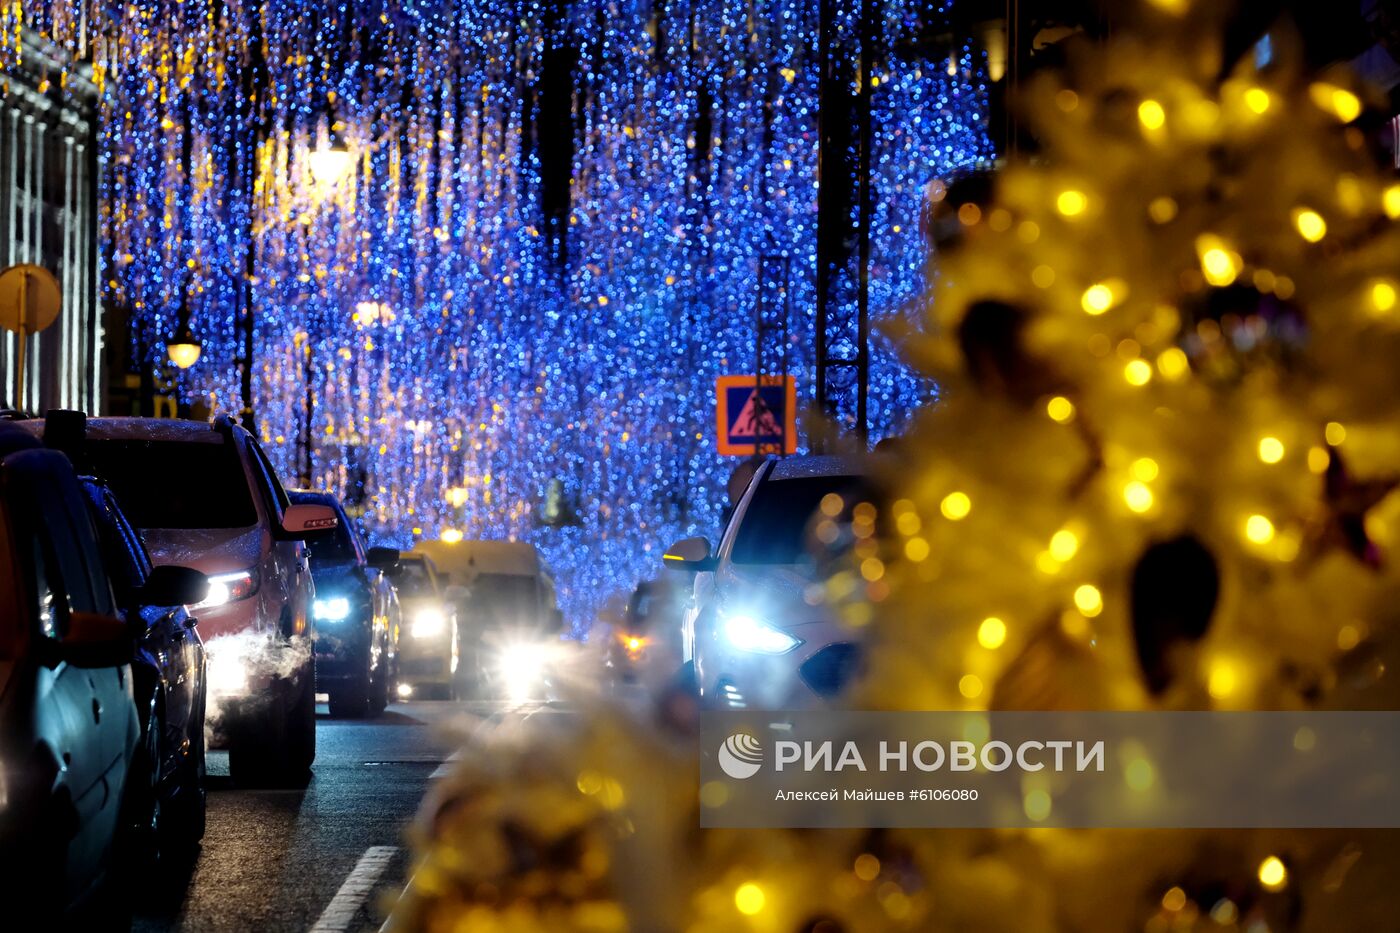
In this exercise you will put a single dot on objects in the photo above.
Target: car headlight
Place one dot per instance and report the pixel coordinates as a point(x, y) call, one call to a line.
point(522, 669)
point(749, 633)
point(428, 623)
point(227, 588)
point(330, 609)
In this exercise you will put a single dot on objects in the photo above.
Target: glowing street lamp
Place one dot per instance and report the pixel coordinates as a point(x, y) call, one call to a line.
point(329, 163)
point(183, 348)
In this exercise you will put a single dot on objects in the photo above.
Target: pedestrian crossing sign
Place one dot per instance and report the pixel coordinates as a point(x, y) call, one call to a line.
point(756, 419)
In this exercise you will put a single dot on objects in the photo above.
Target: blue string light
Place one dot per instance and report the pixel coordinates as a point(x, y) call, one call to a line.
point(457, 371)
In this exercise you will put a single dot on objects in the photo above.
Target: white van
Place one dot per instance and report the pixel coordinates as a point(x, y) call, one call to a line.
point(507, 616)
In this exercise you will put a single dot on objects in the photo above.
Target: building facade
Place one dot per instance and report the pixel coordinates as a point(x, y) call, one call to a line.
point(49, 217)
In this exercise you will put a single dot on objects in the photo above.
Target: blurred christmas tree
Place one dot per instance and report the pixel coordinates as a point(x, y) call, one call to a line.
point(1159, 478)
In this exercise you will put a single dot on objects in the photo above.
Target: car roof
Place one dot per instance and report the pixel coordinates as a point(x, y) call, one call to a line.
point(507, 558)
point(152, 429)
point(825, 465)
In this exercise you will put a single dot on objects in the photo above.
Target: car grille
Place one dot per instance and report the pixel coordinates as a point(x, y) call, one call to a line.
point(829, 670)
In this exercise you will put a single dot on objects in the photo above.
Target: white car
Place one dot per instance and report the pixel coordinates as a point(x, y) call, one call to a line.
point(205, 496)
point(754, 634)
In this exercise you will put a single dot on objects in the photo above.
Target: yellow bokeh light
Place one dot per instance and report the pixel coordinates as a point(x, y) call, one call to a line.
point(1071, 203)
point(1309, 224)
point(1222, 680)
point(1341, 103)
point(1318, 459)
point(1140, 775)
point(1151, 115)
point(908, 523)
point(1257, 99)
point(749, 898)
point(1043, 276)
point(1390, 202)
point(916, 549)
point(991, 633)
point(1383, 295)
point(1138, 372)
point(1271, 449)
point(1162, 210)
point(1098, 298)
point(1335, 433)
point(1060, 409)
point(1219, 265)
point(955, 506)
point(1273, 874)
point(451, 535)
point(970, 686)
point(1174, 899)
point(867, 867)
point(1259, 529)
point(1064, 544)
point(1088, 600)
point(1138, 497)
point(1173, 363)
point(1145, 469)
point(1037, 805)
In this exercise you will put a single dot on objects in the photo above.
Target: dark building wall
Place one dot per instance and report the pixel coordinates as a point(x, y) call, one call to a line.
point(48, 217)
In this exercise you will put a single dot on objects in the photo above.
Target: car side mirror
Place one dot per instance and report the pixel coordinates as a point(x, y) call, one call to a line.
point(94, 640)
point(303, 520)
point(174, 586)
point(690, 554)
point(385, 559)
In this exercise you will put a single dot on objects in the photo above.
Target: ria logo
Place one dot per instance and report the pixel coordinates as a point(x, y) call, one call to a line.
point(741, 756)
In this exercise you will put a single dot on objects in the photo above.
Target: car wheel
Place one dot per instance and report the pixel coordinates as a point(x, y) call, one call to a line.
point(300, 750)
point(280, 753)
point(162, 828)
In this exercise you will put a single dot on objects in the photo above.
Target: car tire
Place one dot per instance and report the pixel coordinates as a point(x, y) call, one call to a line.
point(162, 830)
point(281, 753)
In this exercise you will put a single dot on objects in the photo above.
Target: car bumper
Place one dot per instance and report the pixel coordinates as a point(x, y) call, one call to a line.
point(342, 651)
point(426, 660)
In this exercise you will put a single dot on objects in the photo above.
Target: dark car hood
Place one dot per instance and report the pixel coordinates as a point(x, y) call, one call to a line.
point(211, 551)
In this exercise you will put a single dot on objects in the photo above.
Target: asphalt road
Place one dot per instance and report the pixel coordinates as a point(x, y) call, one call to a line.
point(332, 856)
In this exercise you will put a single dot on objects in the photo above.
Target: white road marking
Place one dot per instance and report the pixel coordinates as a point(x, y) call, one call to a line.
point(345, 906)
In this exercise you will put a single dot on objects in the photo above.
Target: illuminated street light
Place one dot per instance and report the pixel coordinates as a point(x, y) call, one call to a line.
point(183, 348)
point(330, 163)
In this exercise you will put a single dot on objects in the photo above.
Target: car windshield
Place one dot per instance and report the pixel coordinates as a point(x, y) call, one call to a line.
point(501, 598)
point(174, 484)
point(772, 529)
point(413, 580)
point(335, 547)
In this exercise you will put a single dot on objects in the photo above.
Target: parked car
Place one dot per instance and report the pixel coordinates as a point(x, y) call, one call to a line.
point(205, 495)
point(68, 724)
point(751, 637)
point(165, 794)
point(356, 612)
point(507, 620)
point(429, 649)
